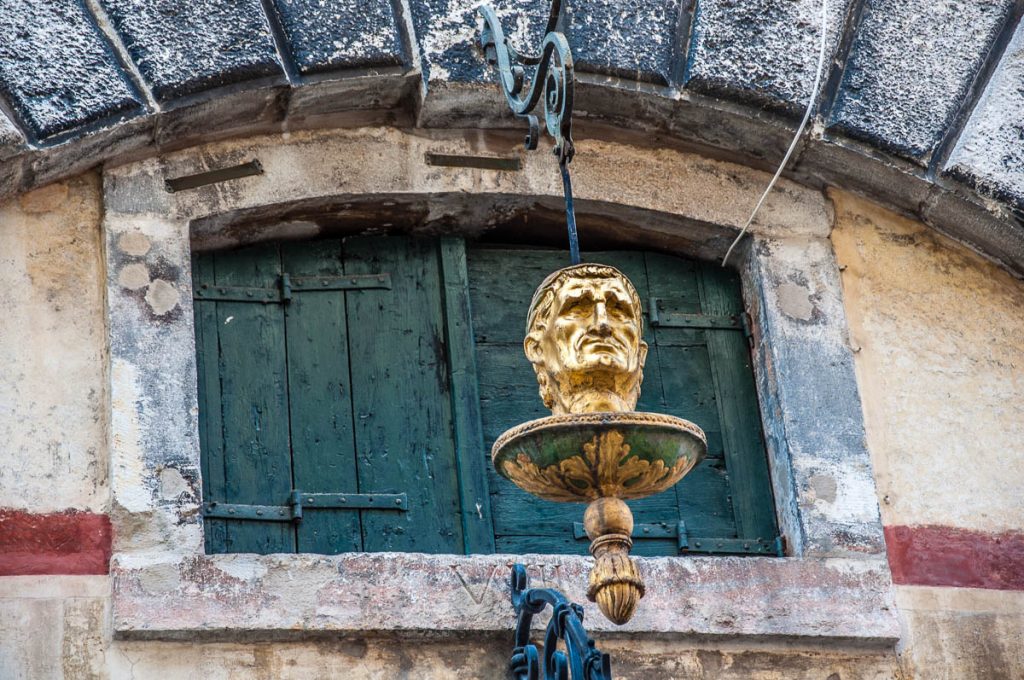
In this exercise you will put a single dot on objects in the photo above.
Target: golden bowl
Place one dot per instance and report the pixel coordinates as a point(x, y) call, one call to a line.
point(586, 456)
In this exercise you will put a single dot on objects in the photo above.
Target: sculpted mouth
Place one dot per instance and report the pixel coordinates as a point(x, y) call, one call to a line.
point(600, 344)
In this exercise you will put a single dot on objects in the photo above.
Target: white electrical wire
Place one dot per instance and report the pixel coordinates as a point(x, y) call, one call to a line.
point(799, 130)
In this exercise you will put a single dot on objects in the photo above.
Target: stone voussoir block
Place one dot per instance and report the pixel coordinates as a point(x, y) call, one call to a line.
point(634, 39)
point(57, 71)
point(910, 67)
point(760, 52)
point(182, 48)
point(341, 34)
point(989, 155)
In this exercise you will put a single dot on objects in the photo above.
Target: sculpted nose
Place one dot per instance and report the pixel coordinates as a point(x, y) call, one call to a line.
point(601, 323)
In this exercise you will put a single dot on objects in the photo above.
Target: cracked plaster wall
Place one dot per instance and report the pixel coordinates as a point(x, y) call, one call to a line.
point(938, 334)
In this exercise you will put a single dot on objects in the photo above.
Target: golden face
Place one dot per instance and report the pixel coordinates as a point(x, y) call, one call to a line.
point(585, 340)
point(593, 327)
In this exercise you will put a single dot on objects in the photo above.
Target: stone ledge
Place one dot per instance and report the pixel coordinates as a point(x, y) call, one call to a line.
point(248, 596)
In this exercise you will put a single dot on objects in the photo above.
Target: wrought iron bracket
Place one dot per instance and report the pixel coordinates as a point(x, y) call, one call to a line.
point(581, 659)
point(552, 81)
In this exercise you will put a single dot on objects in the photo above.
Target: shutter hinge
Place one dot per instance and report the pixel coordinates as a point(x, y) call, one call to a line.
point(298, 501)
point(687, 544)
point(748, 328)
point(660, 318)
point(287, 285)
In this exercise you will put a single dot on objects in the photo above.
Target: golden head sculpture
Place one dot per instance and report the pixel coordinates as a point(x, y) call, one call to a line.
point(584, 337)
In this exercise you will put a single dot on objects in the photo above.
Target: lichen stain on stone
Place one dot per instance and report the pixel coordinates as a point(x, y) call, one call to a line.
point(162, 297)
point(795, 302)
point(172, 484)
point(133, 243)
point(133, 276)
point(823, 488)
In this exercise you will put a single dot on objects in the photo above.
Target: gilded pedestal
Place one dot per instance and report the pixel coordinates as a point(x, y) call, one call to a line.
point(584, 339)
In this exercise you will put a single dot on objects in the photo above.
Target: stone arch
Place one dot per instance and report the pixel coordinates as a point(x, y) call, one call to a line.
point(933, 133)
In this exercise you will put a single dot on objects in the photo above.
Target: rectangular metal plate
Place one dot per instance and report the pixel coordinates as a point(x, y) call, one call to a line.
point(236, 294)
point(732, 546)
point(666, 318)
point(659, 530)
point(479, 162)
point(354, 501)
point(201, 179)
point(360, 282)
point(259, 513)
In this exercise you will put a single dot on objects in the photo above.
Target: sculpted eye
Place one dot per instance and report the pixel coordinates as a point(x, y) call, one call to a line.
point(618, 309)
point(578, 308)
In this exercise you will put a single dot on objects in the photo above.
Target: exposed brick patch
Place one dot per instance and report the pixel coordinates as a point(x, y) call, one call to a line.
point(69, 542)
point(947, 556)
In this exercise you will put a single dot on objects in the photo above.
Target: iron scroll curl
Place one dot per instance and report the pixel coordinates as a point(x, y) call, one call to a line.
point(552, 80)
point(581, 660)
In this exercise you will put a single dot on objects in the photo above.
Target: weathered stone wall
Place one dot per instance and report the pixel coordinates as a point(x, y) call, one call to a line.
point(53, 350)
point(937, 335)
point(940, 334)
point(939, 339)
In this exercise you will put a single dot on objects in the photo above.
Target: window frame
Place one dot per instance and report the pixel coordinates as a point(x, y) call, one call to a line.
point(833, 584)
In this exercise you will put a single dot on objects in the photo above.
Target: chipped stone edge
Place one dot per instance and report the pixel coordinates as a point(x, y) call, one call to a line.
point(294, 596)
point(810, 401)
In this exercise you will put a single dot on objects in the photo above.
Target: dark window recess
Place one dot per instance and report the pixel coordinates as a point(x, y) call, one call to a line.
point(348, 400)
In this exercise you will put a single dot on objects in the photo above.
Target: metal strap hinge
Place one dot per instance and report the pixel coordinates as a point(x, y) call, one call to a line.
point(287, 285)
point(660, 318)
point(693, 544)
point(299, 501)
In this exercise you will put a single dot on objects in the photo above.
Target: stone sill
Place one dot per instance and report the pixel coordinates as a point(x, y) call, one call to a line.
point(244, 596)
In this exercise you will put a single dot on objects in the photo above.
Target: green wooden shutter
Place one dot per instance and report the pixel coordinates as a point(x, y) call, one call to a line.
point(316, 377)
point(312, 382)
point(699, 373)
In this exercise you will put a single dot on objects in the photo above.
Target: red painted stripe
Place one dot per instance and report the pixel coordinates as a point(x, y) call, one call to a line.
point(946, 556)
point(69, 542)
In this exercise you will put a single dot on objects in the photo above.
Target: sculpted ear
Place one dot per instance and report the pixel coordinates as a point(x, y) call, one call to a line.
point(642, 354)
point(531, 346)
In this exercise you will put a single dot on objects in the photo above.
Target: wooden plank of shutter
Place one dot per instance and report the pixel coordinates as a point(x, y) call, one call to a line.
point(703, 496)
point(254, 399)
point(738, 408)
point(211, 431)
point(471, 456)
point(401, 396)
point(320, 398)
